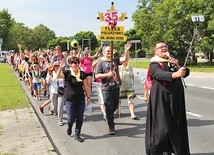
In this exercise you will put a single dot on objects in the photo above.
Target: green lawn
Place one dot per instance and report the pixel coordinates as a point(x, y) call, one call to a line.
point(12, 95)
point(201, 67)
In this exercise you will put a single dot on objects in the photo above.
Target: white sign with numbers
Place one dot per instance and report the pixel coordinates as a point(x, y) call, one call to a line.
point(199, 18)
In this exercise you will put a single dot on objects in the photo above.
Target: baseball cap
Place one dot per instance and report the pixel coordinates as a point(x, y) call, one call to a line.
point(56, 63)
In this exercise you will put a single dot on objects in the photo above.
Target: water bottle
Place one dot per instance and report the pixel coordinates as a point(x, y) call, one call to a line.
point(140, 77)
point(88, 107)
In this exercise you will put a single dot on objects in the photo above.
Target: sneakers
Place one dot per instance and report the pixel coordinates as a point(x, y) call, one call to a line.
point(39, 98)
point(41, 109)
point(60, 124)
point(78, 138)
point(51, 112)
point(111, 131)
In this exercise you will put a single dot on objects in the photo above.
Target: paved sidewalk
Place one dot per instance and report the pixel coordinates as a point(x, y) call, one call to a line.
point(22, 134)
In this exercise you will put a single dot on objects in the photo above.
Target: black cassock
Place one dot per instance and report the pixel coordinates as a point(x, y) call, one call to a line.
point(166, 125)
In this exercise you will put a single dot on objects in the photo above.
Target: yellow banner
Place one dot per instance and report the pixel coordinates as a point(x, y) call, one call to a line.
point(117, 30)
point(112, 37)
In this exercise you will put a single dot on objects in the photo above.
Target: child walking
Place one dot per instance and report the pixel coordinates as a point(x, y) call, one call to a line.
point(36, 82)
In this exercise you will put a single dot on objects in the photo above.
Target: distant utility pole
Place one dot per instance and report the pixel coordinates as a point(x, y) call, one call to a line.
point(196, 20)
point(135, 42)
point(1, 42)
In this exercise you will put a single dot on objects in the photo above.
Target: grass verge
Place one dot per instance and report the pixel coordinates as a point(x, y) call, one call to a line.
point(201, 67)
point(12, 95)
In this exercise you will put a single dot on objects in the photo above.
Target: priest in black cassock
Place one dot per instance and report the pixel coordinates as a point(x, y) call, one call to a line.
point(166, 125)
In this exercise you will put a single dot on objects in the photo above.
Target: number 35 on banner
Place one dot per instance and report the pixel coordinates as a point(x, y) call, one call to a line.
point(111, 16)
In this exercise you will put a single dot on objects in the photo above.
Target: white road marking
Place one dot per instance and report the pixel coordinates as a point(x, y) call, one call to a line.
point(190, 113)
point(193, 114)
point(208, 88)
point(204, 87)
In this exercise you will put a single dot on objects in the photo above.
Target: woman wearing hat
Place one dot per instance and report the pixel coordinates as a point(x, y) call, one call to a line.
point(57, 99)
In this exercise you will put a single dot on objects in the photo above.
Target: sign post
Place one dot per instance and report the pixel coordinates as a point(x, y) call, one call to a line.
point(1, 41)
point(111, 32)
point(135, 42)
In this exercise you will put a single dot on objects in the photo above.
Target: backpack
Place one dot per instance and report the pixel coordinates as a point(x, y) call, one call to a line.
point(148, 82)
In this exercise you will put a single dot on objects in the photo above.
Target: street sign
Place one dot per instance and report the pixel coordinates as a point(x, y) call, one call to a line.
point(115, 34)
point(112, 37)
point(117, 30)
point(199, 18)
point(135, 41)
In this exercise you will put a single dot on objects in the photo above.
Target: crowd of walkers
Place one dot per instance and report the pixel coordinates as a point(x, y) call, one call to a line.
point(66, 80)
point(44, 72)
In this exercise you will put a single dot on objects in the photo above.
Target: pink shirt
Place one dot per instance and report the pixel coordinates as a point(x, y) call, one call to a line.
point(86, 65)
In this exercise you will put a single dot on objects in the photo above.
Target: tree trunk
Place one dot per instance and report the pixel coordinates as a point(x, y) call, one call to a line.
point(210, 57)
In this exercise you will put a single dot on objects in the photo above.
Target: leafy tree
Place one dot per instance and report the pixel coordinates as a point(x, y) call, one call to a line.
point(61, 41)
point(170, 20)
point(132, 35)
point(20, 34)
point(41, 36)
point(5, 25)
point(86, 38)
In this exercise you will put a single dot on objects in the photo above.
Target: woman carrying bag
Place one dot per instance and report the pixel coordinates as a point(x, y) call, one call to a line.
point(75, 90)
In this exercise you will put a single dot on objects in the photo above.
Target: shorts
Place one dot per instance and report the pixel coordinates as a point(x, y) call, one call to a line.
point(88, 74)
point(37, 86)
point(129, 95)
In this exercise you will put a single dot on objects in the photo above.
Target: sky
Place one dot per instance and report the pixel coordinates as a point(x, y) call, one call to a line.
point(67, 17)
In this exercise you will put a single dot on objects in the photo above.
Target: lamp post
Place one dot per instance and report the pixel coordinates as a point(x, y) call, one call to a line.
point(89, 43)
point(1, 41)
point(68, 45)
point(135, 42)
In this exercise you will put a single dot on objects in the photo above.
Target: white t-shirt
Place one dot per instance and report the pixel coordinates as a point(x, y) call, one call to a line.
point(54, 85)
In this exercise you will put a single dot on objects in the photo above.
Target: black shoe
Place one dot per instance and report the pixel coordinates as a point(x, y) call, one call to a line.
point(167, 153)
point(45, 92)
point(69, 131)
point(78, 138)
point(41, 109)
point(111, 131)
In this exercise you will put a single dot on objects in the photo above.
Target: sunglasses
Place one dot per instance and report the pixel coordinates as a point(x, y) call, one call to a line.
point(162, 47)
point(75, 62)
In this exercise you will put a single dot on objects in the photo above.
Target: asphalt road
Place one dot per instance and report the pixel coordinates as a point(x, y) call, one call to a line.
point(130, 135)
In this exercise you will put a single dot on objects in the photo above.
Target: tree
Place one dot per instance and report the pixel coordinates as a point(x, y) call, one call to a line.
point(20, 34)
point(5, 25)
point(61, 41)
point(170, 20)
point(83, 36)
point(132, 35)
point(41, 36)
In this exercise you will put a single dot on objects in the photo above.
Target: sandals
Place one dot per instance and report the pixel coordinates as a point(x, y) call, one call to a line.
point(135, 117)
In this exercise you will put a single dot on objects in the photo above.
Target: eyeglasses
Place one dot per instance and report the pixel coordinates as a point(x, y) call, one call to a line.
point(161, 47)
point(75, 62)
